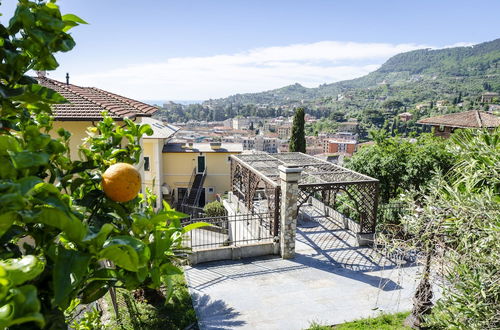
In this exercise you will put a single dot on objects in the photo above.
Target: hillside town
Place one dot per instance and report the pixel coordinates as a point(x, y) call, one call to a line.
point(272, 134)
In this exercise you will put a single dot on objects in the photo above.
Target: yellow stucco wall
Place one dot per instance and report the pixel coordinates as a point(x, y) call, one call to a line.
point(152, 148)
point(178, 168)
point(78, 133)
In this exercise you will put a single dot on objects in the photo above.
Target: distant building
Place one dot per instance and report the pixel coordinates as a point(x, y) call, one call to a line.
point(248, 143)
point(284, 146)
point(445, 125)
point(261, 143)
point(314, 150)
point(423, 106)
point(488, 97)
point(405, 116)
point(241, 123)
point(348, 126)
point(344, 135)
point(441, 103)
point(284, 131)
point(267, 144)
point(339, 145)
point(186, 161)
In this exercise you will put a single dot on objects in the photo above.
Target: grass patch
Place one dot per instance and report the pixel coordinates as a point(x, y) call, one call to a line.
point(382, 322)
point(138, 313)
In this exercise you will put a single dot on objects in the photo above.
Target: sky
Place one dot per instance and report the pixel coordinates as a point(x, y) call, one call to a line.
point(196, 50)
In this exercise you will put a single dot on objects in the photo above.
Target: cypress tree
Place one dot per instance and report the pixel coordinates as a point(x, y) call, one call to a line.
point(298, 138)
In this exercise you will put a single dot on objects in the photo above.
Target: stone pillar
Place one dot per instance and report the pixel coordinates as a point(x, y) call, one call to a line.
point(289, 175)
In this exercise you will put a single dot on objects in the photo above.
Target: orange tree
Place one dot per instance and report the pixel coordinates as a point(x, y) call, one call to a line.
point(59, 233)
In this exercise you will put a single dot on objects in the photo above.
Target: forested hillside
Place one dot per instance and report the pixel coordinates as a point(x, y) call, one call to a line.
point(454, 76)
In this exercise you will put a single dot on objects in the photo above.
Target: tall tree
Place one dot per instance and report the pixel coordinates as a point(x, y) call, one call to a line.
point(298, 138)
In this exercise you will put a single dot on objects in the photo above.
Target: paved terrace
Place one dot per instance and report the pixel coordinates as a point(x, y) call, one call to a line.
point(331, 280)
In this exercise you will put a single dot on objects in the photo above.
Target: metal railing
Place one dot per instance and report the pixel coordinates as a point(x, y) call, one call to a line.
point(192, 211)
point(188, 190)
point(200, 187)
point(230, 230)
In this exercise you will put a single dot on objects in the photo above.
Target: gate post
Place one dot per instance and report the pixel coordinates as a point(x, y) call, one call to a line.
point(289, 175)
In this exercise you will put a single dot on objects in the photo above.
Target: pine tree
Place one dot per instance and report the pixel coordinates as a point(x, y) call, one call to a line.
point(298, 138)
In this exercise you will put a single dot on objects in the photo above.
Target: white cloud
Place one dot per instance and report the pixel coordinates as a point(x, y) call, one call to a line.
point(196, 78)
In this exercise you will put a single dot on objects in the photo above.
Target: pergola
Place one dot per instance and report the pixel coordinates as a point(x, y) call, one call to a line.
point(253, 175)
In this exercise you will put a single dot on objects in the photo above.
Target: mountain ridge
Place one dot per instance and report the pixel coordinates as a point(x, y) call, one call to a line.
point(455, 61)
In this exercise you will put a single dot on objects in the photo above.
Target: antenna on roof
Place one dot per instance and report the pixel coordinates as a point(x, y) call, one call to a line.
point(67, 78)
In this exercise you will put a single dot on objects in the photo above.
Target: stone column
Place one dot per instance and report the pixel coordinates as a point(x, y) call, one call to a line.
point(289, 175)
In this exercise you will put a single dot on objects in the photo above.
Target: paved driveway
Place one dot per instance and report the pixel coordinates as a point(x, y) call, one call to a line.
point(330, 281)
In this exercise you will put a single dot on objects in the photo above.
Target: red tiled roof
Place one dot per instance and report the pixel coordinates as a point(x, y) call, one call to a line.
point(87, 103)
point(467, 119)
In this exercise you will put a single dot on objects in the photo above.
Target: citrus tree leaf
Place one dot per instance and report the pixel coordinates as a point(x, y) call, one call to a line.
point(26, 159)
point(69, 271)
point(6, 221)
point(126, 252)
point(22, 269)
point(69, 224)
point(195, 225)
point(73, 18)
point(9, 143)
point(23, 306)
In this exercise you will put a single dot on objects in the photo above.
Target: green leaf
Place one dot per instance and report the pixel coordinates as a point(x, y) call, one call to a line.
point(28, 183)
point(195, 226)
point(169, 269)
point(27, 159)
point(73, 18)
point(126, 252)
point(36, 92)
point(6, 92)
point(146, 129)
point(142, 274)
point(98, 239)
point(24, 306)
point(69, 25)
point(6, 221)
point(93, 291)
point(69, 271)
point(7, 170)
point(68, 223)
point(170, 287)
point(9, 143)
point(22, 269)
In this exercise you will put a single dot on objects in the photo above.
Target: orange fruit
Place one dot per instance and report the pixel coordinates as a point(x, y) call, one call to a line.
point(121, 182)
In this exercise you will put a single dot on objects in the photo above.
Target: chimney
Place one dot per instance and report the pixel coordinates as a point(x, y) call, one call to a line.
point(215, 145)
point(41, 74)
point(67, 78)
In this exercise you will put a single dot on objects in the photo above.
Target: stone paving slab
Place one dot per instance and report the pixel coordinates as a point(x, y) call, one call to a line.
point(330, 281)
point(272, 293)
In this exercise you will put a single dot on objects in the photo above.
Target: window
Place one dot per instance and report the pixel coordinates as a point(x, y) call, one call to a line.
point(211, 190)
point(146, 163)
point(229, 158)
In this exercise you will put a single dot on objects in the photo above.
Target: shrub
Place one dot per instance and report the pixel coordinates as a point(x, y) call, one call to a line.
point(214, 209)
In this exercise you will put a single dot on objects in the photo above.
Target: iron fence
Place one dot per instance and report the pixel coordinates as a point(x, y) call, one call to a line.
point(192, 211)
point(230, 230)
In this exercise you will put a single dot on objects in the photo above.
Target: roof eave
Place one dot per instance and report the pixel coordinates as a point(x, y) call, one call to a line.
point(450, 125)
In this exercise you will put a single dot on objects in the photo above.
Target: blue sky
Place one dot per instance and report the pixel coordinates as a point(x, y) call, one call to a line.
point(178, 50)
